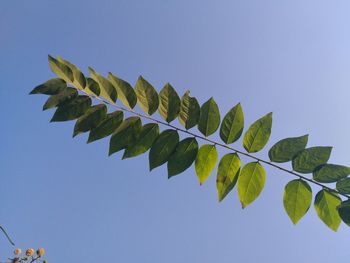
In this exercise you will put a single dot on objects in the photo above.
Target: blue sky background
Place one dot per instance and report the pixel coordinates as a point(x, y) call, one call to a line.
point(289, 57)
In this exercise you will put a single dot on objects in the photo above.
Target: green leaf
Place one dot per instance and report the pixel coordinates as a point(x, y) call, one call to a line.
point(50, 87)
point(251, 181)
point(147, 96)
point(60, 69)
point(107, 126)
point(148, 135)
point(344, 211)
point(227, 174)
point(79, 80)
point(343, 186)
point(330, 173)
point(205, 161)
point(326, 204)
point(125, 92)
point(309, 159)
point(183, 157)
point(92, 87)
point(107, 90)
point(91, 119)
point(285, 150)
point(189, 111)
point(209, 119)
point(232, 125)
point(72, 110)
point(127, 133)
point(169, 103)
point(258, 134)
point(162, 148)
point(61, 98)
point(297, 199)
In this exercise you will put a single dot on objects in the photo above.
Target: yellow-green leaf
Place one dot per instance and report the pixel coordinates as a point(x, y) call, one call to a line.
point(107, 90)
point(209, 119)
point(169, 103)
point(61, 70)
point(227, 174)
point(205, 161)
point(326, 204)
point(258, 134)
point(147, 96)
point(297, 199)
point(189, 111)
point(232, 125)
point(251, 182)
point(125, 92)
point(79, 80)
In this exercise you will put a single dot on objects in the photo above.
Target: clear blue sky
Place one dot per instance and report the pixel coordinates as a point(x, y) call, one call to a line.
point(289, 57)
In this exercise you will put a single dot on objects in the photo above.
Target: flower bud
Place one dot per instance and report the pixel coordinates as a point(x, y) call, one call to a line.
point(40, 252)
point(30, 252)
point(17, 251)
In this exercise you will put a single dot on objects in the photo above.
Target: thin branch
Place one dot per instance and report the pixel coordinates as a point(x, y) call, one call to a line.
point(8, 237)
point(216, 143)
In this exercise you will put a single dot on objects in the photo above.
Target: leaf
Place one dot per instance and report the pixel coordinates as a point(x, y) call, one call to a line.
point(91, 119)
point(65, 96)
point(344, 211)
point(107, 126)
point(125, 92)
point(148, 135)
point(92, 87)
point(61, 70)
point(330, 173)
point(258, 134)
point(251, 181)
point(205, 162)
point(128, 132)
point(189, 111)
point(147, 96)
point(232, 125)
point(72, 110)
point(297, 199)
point(183, 157)
point(162, 148)
point(107, 90)
point(209, 119)
point(79, 80)
point(285, 150)
point(343, 186)
point(326, 204)
point(309, 159)
point(50, 87)
point(169, 103)
point(227, 174)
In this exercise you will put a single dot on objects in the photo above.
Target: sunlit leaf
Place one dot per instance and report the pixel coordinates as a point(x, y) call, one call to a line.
point(147, 96)
point(227, 174)
point(297, 199)
point(326, 204)
point(189, 111)
point(285, 150)
point(251, 182)
point(59, 99)
point(79, 80)
point(209, 119)
point(205, 161)
point(330, 173)
point(107, 126)
point(61, 70)
point(183, 156)
point(344, 211)
point(169, 103)
point(162, 148)
point(72, 110)
point(127, 133)
point(309, 159)
point(107, 90)
point(258, 134)
point(148, 135)
point(91, 119)
point(232, 125)
point(92, 87)
point(343, 186)
point(125, 92)
point(50, 87)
